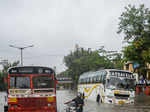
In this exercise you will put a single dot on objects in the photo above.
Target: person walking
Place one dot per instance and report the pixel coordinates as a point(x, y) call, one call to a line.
point(98, 98)
point(83, 96)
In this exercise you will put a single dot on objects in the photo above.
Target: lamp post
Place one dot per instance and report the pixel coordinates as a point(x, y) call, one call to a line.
point(21, 49)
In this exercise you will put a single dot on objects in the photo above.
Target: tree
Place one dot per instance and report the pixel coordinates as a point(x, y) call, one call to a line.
point(82, 60)
point(3, 74)
point(135, 24)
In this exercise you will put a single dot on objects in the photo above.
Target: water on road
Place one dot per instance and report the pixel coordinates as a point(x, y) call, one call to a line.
point(2, 101)
point(142, 104)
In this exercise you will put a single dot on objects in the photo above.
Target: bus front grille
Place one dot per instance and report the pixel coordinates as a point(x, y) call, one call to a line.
point(32, 102)
point(121, 96)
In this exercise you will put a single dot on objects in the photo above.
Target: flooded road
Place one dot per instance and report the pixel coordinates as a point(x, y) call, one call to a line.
point(2, 101)
point(142, 104)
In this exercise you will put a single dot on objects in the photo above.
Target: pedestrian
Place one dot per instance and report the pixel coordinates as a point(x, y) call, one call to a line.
point(98, 98)
point(83, 96)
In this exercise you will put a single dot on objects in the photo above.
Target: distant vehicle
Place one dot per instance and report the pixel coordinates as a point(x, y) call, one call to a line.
point(31, 89)
point(114, 86)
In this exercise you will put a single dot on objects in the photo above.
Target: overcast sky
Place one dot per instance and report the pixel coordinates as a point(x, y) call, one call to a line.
point(55, 26)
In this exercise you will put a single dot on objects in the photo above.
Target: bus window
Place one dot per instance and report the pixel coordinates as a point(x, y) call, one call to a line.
point(97, 79)
point(86, 80)
point(43, 82)
point(12, 82)
point(100, 78)
point(19, 82)
point(94, 79)
point(104, 79)
point(81, 81)
point(91, 80)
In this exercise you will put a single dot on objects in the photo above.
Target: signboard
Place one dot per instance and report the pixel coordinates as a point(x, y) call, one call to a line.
point(135, 65)
point(121, 74)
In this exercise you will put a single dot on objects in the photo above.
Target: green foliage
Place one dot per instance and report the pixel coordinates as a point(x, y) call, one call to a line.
point(6, 66)
point(2, 84)
point(82, 60)
point(3, 74)
point(135, 24)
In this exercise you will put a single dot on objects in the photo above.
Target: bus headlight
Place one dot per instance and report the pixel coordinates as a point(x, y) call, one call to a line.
point(48, 104)
point(51, 99)
point(109, 93)
point(132, 94)
point(12, 100)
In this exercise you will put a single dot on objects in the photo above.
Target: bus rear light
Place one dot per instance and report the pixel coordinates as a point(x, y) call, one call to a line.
point(48, 104)
point(12, 108)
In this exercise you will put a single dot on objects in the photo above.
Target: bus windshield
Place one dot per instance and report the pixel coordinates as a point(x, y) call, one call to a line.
point(121, 83)
point(24, 82)
point(42, 82)
point(20, 82)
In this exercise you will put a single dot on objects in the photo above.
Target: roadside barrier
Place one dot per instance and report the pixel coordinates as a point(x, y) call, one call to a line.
point(138, 89)
point(147, 90)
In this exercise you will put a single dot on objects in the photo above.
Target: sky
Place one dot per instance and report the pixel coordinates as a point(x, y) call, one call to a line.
point(54, 27)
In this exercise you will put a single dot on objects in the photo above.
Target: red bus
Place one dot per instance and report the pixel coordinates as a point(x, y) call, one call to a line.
point(31, 89)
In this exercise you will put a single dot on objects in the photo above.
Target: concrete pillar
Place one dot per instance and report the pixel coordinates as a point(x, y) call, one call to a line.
point(131, 67)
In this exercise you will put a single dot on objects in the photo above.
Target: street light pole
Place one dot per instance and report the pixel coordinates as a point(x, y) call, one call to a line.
point(21, 49)
point(21, 57)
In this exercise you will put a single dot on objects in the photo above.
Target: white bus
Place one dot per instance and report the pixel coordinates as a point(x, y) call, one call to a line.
point(113, 86)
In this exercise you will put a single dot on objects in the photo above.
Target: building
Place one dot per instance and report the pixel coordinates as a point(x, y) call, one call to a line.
point(133, 67)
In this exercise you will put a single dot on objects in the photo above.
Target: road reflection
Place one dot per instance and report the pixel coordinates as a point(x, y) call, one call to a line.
point(2, 101)
point(142, 104)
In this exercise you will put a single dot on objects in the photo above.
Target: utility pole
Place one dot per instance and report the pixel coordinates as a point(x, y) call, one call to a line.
point(21, 49)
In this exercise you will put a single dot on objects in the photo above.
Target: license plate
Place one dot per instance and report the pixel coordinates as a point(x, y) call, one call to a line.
point(121, 102)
